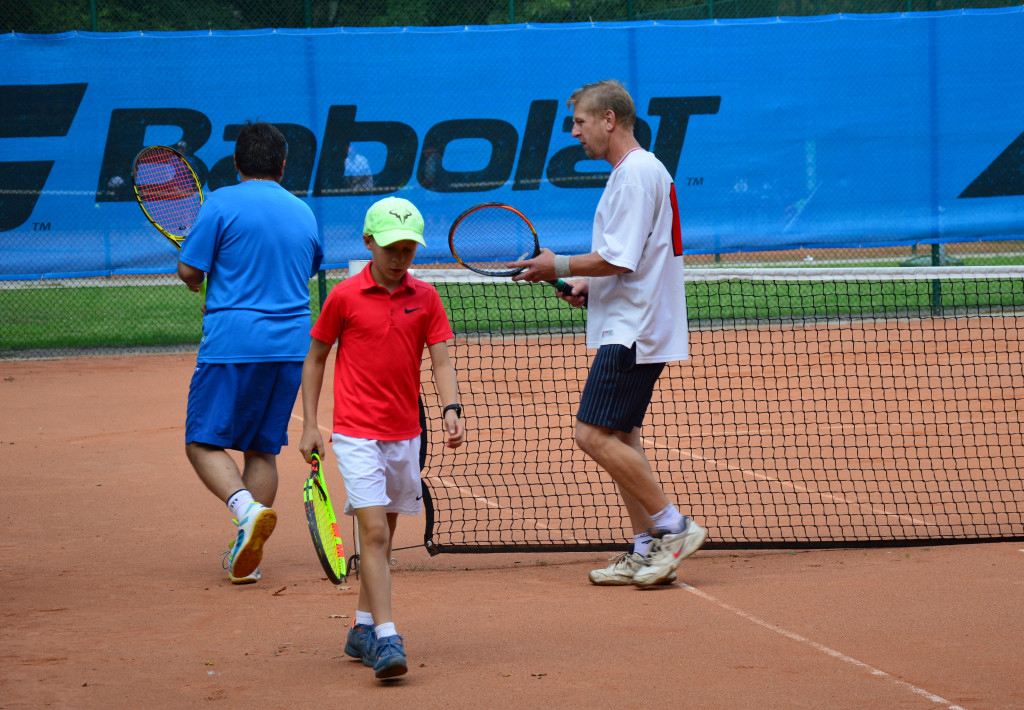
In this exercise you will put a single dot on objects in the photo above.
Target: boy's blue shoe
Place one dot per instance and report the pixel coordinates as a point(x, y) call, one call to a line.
point(362, 643)
point(253, 530)
point(390, 658)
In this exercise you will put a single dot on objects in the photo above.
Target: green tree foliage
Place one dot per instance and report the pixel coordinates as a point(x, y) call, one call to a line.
point(50, 16)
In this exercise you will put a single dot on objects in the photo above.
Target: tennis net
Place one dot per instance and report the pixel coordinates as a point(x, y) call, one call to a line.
point(818, 408)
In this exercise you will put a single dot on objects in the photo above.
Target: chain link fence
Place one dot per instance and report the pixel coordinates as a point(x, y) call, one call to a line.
point(60, 316)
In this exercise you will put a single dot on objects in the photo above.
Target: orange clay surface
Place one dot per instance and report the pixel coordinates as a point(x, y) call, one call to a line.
point(112, 594)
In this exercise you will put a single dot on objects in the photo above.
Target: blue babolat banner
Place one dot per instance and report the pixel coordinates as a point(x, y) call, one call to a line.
point(867, 130)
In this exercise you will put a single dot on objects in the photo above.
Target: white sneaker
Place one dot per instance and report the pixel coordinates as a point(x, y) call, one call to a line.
point(620, 572)
point(253, 530)
point(667, 551)
point(226, 564)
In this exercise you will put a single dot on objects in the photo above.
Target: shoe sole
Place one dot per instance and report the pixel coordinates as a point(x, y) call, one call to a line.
point(250, 556)
point(394, 668)
point(367, 661)
point(670, 579)
point(692, 544)
point(251, 579)
point(353, 653)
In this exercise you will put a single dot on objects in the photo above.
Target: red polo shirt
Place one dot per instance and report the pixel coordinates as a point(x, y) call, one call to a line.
point(381, 337)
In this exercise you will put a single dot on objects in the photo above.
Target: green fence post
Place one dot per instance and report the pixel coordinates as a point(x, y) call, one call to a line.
point(92, 16)
point(321, 282)
point(511, 12)
point(938, 259)
point(307, 13)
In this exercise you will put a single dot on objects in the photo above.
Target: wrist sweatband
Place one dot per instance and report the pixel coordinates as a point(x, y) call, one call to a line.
point(562, 270)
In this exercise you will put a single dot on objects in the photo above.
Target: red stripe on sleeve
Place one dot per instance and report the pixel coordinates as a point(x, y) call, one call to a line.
point(677, 231)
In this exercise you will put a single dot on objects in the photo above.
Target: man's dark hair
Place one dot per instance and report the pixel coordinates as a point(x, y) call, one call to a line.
point(260, 150)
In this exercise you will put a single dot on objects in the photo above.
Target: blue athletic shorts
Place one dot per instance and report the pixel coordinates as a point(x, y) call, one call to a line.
point(242, 406)
point(618, 390)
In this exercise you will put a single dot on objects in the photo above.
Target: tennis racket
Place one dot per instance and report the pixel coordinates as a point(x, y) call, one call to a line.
point(168, 191)
point(487, 237)
point(323, 526)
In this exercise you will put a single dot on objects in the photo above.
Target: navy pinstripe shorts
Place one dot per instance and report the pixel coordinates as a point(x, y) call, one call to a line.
point(618, 390)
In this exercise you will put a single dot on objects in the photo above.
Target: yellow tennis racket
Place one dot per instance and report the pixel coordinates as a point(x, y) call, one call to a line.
point(323, 525)
point(168, 191)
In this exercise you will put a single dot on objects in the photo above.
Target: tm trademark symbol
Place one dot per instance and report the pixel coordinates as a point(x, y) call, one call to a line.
point(40, 226)
point(694, 181)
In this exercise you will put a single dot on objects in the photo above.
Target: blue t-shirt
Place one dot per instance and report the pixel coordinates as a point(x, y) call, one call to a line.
point(259, 245)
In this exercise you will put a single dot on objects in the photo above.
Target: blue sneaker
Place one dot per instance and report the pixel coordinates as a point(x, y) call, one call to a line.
point(361, 643)
point(253, 530)
point(390, 658)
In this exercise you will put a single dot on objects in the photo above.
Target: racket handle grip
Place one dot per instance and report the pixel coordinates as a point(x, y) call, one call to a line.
point(565, 289)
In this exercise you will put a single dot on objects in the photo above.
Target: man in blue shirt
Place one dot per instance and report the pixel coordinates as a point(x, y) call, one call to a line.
point(258, 245)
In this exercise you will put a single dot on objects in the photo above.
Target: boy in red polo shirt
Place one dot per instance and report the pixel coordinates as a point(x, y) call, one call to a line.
point(381, 318)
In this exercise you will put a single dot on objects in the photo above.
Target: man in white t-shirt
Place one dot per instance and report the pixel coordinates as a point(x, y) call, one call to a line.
point(637, 322)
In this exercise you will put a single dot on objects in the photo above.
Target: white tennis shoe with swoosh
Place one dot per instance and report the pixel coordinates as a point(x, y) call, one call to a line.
point(667, 551)
point(621, 571)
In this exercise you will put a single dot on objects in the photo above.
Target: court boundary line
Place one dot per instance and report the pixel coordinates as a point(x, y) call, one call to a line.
point(838, 655)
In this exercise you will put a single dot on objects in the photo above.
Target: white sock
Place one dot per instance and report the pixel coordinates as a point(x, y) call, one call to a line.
point(385, 630)
point(668, 519)
point(641, 543)
point(239, 502)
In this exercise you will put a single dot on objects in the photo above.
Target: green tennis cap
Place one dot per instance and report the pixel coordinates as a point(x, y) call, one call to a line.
point(393, 219)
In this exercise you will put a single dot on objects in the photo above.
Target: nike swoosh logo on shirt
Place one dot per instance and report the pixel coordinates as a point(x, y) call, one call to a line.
point(410, 310)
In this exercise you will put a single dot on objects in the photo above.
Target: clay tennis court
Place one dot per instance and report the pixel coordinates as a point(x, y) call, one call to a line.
point(114, 596)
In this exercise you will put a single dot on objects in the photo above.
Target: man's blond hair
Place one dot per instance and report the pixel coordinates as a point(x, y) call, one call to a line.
point(607, 95)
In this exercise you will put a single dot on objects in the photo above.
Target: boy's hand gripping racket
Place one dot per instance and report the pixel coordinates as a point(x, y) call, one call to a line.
point(168, 192)
point(487, 237)
point(323, 526)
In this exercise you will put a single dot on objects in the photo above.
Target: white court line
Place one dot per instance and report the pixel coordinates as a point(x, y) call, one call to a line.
point(451, 484)
point(821, 647)
point(801, 489)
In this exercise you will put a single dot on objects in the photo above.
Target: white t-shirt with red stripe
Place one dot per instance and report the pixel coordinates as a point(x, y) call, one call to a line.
point(637, 226)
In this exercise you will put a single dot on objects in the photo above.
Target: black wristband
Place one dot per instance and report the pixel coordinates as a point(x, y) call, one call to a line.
point(457, 408)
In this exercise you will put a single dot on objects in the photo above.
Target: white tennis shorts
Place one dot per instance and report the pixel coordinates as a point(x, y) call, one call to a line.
point(383, 473)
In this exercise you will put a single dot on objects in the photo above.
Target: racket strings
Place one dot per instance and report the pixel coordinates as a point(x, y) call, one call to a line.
point(168, 190)
point(327, 526)
point(489, 239)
